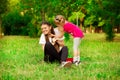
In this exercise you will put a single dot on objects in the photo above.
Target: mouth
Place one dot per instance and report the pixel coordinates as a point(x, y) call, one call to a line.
point(45, 32)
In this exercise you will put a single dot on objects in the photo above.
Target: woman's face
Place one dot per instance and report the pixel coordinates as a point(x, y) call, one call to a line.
point(45, 29)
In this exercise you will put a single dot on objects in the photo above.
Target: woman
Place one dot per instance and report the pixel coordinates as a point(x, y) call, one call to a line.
point(51, 46)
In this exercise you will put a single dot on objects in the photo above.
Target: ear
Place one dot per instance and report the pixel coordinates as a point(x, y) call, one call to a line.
point(62, 20)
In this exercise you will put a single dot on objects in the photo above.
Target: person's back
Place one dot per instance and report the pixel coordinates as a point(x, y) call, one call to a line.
point(72, 29)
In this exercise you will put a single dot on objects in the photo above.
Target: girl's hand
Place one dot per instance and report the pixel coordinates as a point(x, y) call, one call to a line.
point(52, 35)
point(53, 40)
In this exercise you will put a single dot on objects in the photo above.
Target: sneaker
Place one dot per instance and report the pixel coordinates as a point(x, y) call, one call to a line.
point(66, 64)
point(77, 63)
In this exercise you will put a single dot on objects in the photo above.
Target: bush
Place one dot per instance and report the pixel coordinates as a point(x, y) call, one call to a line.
point(67, 36)
point(108, 29)
point(15, 24)
point(33, 31)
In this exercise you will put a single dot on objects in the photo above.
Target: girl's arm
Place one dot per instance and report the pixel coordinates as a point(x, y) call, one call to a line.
point(60, 31)
point(60, 35)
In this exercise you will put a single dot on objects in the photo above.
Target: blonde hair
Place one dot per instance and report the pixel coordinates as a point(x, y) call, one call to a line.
point(59, 19)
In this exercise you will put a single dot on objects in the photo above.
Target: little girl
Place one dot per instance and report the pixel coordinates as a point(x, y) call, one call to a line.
point(65, 26)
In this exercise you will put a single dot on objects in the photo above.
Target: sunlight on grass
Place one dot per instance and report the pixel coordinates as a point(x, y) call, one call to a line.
point(21, 58)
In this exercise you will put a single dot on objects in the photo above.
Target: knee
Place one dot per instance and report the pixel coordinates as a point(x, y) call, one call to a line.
point(65, 48)
point(47, 44)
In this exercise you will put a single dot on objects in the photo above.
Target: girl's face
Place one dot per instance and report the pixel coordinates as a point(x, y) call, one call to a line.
point(45, 29)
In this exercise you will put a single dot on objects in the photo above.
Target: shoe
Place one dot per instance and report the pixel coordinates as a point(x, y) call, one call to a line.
point(77, 63)
point(66, 64)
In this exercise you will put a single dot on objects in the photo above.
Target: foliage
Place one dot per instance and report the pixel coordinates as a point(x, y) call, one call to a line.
point(13, 5)
point(3, 9)
point(67, 36)
point(91, 10)
point(101, 22)
point(3, 6)
point(89, 20)
point(76, 16)
point(111, 12)
point(108, 28)
point(13, 23)
point(33, 31)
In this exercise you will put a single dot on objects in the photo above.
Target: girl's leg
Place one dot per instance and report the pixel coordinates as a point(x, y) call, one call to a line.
point(51, 52)
point(76, 49)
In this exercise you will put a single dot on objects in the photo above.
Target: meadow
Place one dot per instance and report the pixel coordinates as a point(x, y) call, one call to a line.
point(21, 58)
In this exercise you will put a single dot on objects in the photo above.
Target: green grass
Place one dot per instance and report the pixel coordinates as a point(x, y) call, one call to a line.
point(21, 58)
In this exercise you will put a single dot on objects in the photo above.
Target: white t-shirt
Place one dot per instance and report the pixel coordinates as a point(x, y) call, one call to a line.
point(42, 38)
point(57, 32)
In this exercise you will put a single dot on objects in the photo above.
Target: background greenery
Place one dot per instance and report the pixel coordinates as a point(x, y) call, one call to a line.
point(21, 58)
point(23, 17)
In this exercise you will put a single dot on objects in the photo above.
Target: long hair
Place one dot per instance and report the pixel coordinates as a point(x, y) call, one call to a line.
point(56, 45)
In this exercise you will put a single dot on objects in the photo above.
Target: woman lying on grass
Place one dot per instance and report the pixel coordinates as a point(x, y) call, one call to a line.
point(54, 49)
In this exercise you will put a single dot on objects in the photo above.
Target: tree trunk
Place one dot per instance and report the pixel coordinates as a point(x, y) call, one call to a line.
point(43, 15)
point(81, 22)
point(0, 28)
point(90, 28)
point(118, 29)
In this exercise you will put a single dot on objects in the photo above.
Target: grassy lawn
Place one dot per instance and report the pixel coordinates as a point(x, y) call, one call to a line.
point(21, 58)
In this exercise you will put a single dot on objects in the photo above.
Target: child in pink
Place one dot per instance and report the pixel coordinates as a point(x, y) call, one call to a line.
point(65, 26)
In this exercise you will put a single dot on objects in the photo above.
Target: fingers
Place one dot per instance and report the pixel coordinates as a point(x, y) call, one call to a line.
point(52, 35)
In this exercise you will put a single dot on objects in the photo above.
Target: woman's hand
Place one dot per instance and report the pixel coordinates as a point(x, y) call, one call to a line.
point(60, 42)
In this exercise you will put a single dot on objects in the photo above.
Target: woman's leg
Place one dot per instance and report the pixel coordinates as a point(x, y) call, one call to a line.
point(64, 53)
point(51, 52)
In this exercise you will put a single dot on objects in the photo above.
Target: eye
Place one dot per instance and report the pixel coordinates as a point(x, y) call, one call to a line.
point(41, 28)
point(58, 19)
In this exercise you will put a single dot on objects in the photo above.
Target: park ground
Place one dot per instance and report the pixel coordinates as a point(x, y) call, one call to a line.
point(21, 58)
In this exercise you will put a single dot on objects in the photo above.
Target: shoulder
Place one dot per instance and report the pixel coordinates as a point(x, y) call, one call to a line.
point(42, 39)
point(56, 29)
point(42, 35)
point(71, 24)
point(67, 23)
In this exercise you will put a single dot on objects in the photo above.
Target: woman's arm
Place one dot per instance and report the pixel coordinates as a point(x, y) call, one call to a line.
point(60, 42)
point(43, 47)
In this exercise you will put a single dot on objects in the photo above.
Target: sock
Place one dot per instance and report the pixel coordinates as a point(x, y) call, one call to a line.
point(78, 58)
point(74, 58)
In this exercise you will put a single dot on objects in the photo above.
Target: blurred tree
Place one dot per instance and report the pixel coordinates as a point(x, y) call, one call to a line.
point(96, 13)
point(15, 24)
point(110, 12)
point(3, 9)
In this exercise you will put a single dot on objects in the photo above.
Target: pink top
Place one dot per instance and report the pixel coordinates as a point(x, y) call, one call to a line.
point(73, 30)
